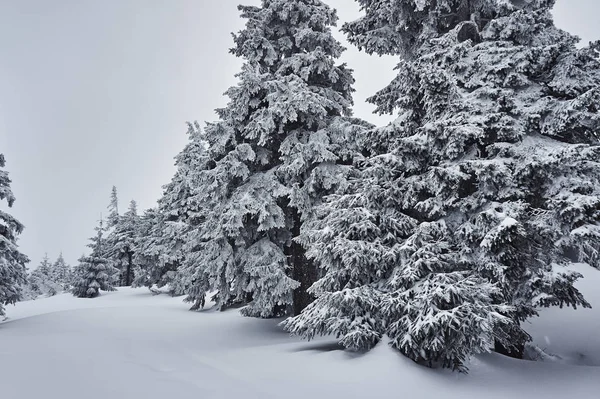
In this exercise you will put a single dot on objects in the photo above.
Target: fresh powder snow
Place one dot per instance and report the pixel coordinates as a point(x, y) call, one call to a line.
point(132, 344)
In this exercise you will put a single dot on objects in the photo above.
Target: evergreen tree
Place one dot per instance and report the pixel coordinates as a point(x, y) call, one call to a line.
point(186, 202)
point(468, 209)
point(30, 290)
point(45, 266)
point(122, 242)
point(113, 209)
point(169, 235)
point(112, 247)
point(159, 251)
point(280, 145)
point(13, 272)
point(94, 272)
point(61, 272)
point(42, 280)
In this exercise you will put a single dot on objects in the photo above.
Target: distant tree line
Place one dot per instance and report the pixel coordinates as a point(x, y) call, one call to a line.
point(48, 279)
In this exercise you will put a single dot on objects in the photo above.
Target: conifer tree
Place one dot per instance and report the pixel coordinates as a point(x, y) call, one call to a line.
point(468, 209)
point(112, 247)
point(94, 272)
point(113, 209)
point(169, 235)
point(45, 266)
point(13, 272)
point(42, 280)
point(30, 290)
point(159, 251)
point(122, 242)
point(280, 145)
point(61, 272)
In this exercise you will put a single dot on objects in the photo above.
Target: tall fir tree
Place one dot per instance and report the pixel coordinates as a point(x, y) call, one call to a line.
point(13, 272)
point(170, 240)
point(468, 209)
point(94, 272)
point(112, 246)
point(122, 243)
point(183, 196)
point(282, 143)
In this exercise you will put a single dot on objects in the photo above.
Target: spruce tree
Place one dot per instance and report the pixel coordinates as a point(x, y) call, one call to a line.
point(280, 145)
point(159, 251)
point(122, 242)
point(45, 266)
point(170, 237)
point(94, 272)
point(61, 272)
point(464, 217)
point(42, 280)
point(113, 209)
point(112, 247)
point(13, 272)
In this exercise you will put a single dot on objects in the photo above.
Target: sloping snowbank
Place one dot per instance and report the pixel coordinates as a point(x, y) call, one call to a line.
point(130, 344)
point(573, 335)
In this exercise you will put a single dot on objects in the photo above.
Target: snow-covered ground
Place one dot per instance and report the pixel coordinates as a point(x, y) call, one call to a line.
point(131, 344)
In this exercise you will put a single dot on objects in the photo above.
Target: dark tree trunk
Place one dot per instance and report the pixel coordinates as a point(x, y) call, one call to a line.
point(516, 351)
point(513, 342)
point(129, 266)
point(304, 270)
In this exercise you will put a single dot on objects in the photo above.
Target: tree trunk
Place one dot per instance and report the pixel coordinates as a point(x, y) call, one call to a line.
point(304, 270)
point(128, 272)
point(516, 352)
point(517, 338)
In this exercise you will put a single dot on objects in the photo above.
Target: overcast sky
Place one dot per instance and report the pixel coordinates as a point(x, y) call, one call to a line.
point(97, 92)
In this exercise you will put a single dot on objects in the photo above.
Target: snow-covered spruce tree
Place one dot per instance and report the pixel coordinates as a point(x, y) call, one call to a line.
point(278, 148)
point(183, 207)
point(29, 290)
point(94, 272)
point(61, 272)
point(45, 267)
point(481, 193)
point(159, 251)
point(111, 246)
point(121, 241)
point(169, 234)
point(113, 209)
point(13, 272)
point(42, 280)
point(147, 250)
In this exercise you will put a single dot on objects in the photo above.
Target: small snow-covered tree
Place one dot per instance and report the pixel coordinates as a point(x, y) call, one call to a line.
point(13, 272)
point(281, 143)
point(42, 280)
point(94, 272)
point(113, 209)
point(354, 239)
point(481, 193)
point(61, 272)
point(45, 267)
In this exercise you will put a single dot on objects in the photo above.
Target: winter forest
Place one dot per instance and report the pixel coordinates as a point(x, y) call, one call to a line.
point(442, 236)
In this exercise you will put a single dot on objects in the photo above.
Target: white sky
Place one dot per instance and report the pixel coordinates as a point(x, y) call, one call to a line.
point(95, 93)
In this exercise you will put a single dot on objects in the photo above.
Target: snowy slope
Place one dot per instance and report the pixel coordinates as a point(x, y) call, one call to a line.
point(130, 344)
